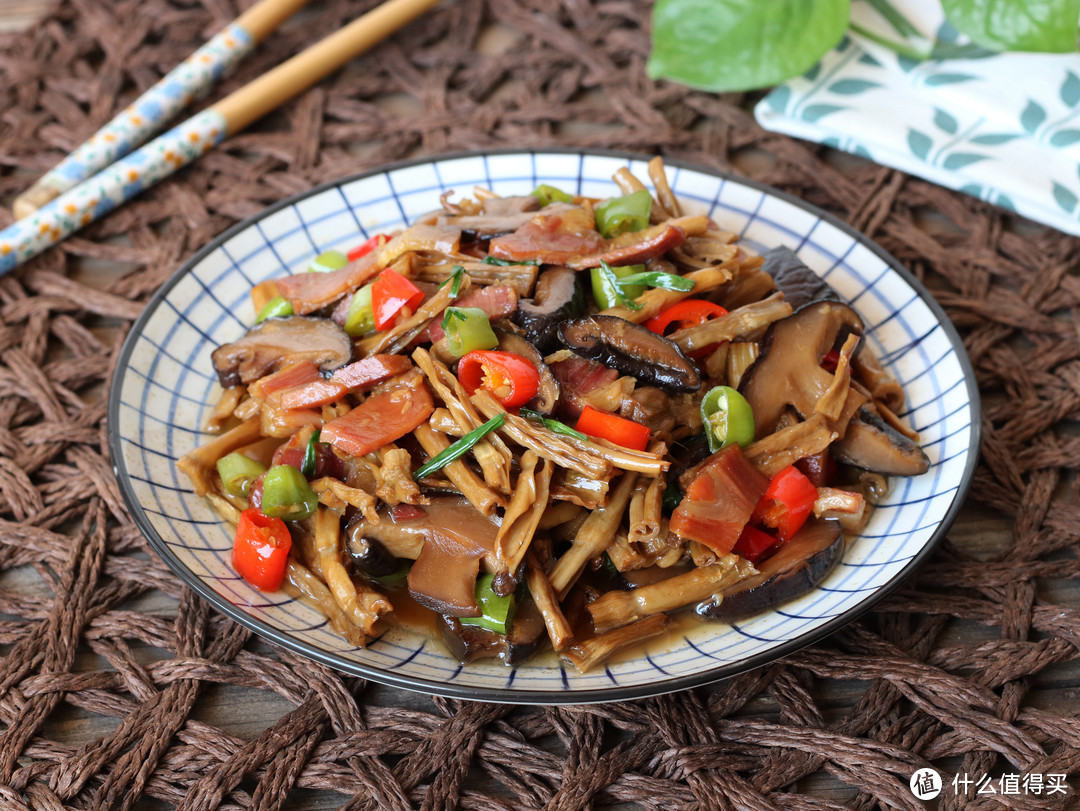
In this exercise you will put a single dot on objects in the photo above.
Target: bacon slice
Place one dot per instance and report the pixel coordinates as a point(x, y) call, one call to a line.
point(295, 374)
point(308, 292)
point(570, 238)
point(554, 239)
point(316, 393)
point(719, 501)
point(496, 300)
point(371, 371)
point(379, 420)
point(644, 245)
point(577, 377)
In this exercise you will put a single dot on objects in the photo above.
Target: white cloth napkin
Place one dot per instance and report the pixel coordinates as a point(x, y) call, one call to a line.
point(1002, 127)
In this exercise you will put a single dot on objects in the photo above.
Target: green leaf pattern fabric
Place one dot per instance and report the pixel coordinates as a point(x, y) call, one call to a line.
point(1004, 128)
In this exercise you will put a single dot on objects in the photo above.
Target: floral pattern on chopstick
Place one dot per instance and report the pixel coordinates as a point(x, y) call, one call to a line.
point(189, 80)
point(109, 188)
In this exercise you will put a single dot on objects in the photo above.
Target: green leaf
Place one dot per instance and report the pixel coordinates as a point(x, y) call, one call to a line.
point(958, 160)
point(1070, 90)
point(919, 143)
point(1017, 25)
point(945, 122)
point(993, 138)
point(731, 45)
point(1032, 116)
point(852, 87)
point(939, 79)
point(1065, 138)
point(1064, 198)
point(818, 111)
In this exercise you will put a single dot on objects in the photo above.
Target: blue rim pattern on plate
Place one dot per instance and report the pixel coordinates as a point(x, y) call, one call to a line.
point(165, 386)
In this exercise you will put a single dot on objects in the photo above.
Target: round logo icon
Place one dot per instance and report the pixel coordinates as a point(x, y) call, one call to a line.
point(925, 784)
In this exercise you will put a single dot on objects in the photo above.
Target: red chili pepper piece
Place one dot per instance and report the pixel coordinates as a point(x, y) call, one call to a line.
point(787, 503)
point(261, 550)
point(615, 429)
point(754, 544)
point(389, 294)
point(368, 246)
point(687, 313)
point(831, 359)
point(510, 377)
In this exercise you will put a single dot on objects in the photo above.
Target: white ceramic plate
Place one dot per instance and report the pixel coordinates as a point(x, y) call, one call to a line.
point(165, 387)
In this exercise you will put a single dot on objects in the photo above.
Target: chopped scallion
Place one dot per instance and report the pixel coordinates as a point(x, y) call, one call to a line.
point(553, 425)
point(505, 263)
point(459, 448)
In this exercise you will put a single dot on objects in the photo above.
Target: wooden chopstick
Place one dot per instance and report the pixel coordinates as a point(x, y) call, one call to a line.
point(189, 80)
point(184, 143)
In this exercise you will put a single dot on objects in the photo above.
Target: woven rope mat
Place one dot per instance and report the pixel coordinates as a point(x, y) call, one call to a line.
point(111, 670)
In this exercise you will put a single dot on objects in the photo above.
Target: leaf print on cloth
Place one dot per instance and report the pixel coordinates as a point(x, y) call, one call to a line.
point(852, 87)
point(1032, 117)
point(815, 112)
point(1065, 199)
point(1070, 90)
point(945, 122)
point(919, 143)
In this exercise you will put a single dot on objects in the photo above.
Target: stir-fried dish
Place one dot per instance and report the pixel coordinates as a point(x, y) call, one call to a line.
point(549, 419)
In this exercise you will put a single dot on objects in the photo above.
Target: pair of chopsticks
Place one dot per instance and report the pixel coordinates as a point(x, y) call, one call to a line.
point(104, 172)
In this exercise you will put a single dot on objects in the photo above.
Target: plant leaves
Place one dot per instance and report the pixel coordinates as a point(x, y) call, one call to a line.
point(1065, 138)
point(817, 111)
point(852, 87)
point(1070, 89)
point(1064, 198)
point(919, 143)
point(939, 79)
point(731, 45)
point(1017, 25)
point(945, 122)
point(993, 138)
point(958, 160)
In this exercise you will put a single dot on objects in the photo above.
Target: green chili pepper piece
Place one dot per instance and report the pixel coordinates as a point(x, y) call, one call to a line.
point(551, 194)
point(454, 281)
point(505, 263)
point(277, 307)
point(622, 214)
point(608, 290)
point(328, 261)
point(552, 425)
point(467, 329)
point(360, 318)
point(459, 448)
point(237, 473)
point(667, 281)
point(727, 418)
point(311, 457)
point(287, 495)
point(497, 612)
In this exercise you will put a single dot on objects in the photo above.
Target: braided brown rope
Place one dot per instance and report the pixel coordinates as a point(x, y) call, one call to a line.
point(111, 671)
